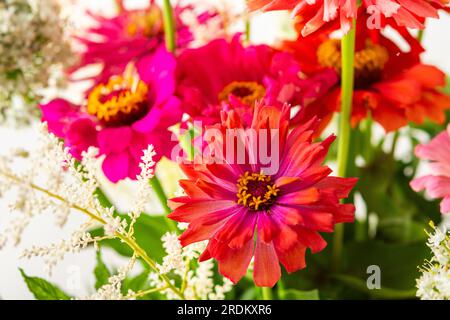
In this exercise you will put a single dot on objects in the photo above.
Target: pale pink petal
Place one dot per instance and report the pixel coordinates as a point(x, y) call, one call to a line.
point(445, 205)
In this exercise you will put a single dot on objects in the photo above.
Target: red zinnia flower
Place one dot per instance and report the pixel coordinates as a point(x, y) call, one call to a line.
point(114, 42)
point(227, 74)
point(394, 86)
point(317, 13)
point(122, 116)
point(246, 212)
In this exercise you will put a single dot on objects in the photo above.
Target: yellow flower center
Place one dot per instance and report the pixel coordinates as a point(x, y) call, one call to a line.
point(369, 62)
point(119, 102)
point(247, 92)
point(256, 191)
point(149, 23)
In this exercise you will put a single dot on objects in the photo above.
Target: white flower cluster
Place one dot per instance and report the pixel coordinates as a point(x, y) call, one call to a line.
point(147, 166)
point(113, 289)
point(434, 283)
point(49, 179)
point(197, 277)
point(34, 51)
point(54, 253)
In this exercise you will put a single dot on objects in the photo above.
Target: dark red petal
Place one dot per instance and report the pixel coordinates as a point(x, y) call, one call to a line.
point(192, 190)
point(205, 227)
point(293, 259)
point(238, 230)
point(233, 263)
point(197, 209)
point(300, 197)
point(267, 269)
point(340, 186)
point(215, 191)
point(311, 239)
point(267, 227)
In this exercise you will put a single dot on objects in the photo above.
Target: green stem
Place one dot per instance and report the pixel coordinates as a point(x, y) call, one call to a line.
point(394, 143)
point(347, 82)
point(169, 26)
point(267, 293)
point(366, 130)
point(420, 35)
point(248, 29)
point(159, 191)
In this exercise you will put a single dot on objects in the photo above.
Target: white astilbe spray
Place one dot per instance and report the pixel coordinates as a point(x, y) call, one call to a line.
point(34, 51)
point(113, 289)
point(197, 277)
point(434, 283)
point(147, 166)
point(54, 253)
point(49, 179)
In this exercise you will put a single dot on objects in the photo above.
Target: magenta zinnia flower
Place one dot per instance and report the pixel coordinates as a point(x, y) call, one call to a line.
point(244, 211)
point(132, 34)
point(317, 13)
point(436, 184)
point(226, 74)
point(122, 116)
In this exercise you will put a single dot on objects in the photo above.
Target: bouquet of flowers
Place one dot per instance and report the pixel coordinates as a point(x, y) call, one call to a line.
point(284, 170)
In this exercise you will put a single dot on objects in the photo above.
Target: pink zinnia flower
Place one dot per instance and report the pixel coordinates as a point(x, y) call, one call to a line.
point(122, 116)
point(317, 13)
point(132, 34)
point(244, 212)
point(227, 74)
point(436, 184)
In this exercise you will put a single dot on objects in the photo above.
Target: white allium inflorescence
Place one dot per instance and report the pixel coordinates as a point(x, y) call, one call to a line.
point(434, 283)
point(34, 51)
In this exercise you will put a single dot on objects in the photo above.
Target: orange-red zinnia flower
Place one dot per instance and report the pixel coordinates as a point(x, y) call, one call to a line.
point(392, 85)
point(245, 212)
point(314, 14)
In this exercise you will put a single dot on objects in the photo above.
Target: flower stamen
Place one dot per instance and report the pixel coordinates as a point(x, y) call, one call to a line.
point(148, 23)
point(119, 102)
point(369, 62)
point(256, 191)
point(246, 92)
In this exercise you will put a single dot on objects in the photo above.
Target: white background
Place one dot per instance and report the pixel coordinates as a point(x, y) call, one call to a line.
point(43, 232)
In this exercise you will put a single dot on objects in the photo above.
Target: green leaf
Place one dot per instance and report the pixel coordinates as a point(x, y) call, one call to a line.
point(42, 289)
point(293, 294)
point(402, 213)
point(140, 282)
point(397, 262)
point(101, 272)
point(382, 293)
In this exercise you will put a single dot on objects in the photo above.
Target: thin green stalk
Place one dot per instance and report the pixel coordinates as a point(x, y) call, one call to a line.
point(366, 130)
point(267, 293)
point(248, 29)
point(119, 5)
point(347, 84)
point(169, 26)
point(394, 143)
point(420, 35)
point(159, 191)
